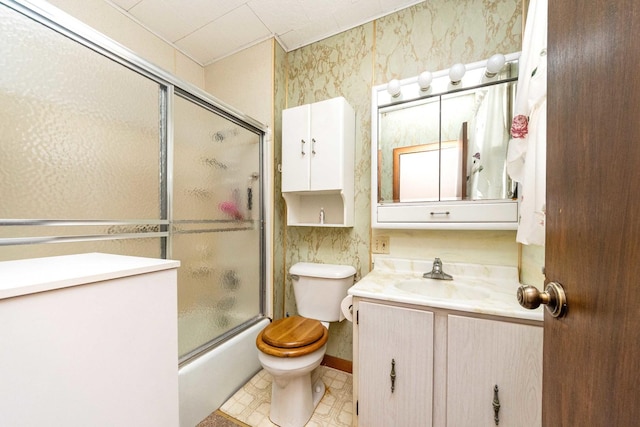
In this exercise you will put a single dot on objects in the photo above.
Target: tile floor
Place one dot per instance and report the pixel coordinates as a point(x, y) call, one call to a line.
point(249, 406)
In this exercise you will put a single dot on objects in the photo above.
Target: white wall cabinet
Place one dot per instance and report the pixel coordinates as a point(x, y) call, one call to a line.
point(447, 365)
point(318, 154)
point(395, 374)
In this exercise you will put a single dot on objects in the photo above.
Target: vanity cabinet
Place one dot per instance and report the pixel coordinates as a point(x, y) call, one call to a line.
point(395, 372)
point(446, 367)
point(318, 154)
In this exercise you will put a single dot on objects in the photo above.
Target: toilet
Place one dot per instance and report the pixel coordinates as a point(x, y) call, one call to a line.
point(291, 348)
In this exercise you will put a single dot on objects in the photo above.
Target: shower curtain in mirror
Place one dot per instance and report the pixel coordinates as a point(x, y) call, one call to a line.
point(488, 144)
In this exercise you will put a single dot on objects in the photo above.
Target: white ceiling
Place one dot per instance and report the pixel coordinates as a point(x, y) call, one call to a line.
point(209, 30)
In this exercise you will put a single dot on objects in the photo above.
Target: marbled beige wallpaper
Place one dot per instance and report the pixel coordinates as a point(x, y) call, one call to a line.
point(338, 66)
point(279, 247)
point(431, 35)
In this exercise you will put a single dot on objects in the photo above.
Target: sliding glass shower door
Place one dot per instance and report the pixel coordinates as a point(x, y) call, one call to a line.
point(216, 223)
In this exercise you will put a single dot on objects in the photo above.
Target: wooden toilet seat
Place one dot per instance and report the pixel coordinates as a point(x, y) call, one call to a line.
point(292, 337)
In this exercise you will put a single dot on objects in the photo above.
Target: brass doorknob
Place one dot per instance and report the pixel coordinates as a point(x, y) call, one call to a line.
point(553, 297)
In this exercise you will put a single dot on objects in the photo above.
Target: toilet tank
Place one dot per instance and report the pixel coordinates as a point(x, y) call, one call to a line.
point(319, 289)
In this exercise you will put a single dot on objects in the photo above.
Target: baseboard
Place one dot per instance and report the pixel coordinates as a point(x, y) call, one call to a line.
point(337, 363)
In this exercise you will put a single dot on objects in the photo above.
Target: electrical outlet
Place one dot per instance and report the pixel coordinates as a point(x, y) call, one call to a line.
point(381, 245)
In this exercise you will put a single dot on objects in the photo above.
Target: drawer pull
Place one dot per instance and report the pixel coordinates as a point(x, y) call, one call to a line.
point(393, 375)
point(440, 213)
point(496, 405)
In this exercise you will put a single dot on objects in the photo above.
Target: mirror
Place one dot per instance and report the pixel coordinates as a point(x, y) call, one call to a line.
point(416, 167)
point(446, 145)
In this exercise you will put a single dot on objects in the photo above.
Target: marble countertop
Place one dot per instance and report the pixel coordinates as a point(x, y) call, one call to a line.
point(28, 276)
point(475, 288)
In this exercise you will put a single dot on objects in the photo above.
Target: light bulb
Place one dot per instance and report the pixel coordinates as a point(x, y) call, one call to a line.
point(494, 65)
point(424, 80)
point(456, 73)
point(393, 87)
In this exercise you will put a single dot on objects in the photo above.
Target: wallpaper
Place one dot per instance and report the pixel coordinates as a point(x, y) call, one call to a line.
point(431, 35)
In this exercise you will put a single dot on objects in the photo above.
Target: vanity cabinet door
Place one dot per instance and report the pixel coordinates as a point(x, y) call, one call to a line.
point(395, 366)
point(485, 353)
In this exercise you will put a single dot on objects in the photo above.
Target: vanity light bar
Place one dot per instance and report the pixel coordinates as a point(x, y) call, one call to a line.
point(459, 76)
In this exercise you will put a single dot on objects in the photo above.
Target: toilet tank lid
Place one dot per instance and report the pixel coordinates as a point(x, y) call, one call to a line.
point(328, 271)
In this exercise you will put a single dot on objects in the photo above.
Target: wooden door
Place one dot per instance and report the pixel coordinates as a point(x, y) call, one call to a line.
point(591, 374)
point(399, 340)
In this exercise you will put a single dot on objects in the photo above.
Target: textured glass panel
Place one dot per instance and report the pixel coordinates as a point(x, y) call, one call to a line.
point(218, 284)
point(150, 248)
point(216, 166)
point(216, 232)
point(80, 135)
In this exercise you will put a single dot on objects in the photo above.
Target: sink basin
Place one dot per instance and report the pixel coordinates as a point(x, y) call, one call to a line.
point(441, 289)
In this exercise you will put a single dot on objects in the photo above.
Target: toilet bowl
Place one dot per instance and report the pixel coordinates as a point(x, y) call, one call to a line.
point(290, 349)
point(290, 359)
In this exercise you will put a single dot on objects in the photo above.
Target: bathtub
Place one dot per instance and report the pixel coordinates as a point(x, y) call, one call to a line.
point(206, 382)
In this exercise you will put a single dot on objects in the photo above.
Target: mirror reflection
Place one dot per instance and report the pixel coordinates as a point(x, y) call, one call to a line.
point(446, 147)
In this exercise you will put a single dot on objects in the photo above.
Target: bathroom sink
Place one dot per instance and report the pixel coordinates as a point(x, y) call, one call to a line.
point(441, 289)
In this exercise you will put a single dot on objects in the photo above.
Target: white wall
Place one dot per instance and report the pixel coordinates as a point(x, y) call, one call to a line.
point(111, 22)
point(245, 80)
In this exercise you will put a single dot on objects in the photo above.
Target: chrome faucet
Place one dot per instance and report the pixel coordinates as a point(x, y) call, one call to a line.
point(436, 272)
